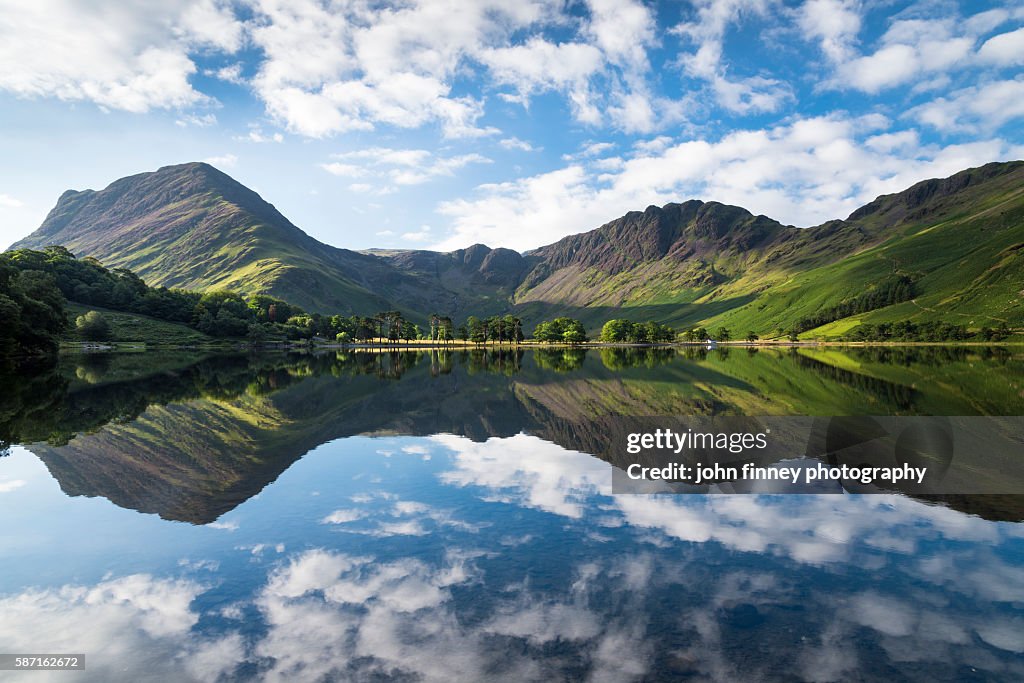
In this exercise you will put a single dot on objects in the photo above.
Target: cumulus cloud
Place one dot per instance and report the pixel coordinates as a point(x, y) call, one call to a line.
point(527, 470)
point(741, 95)
point(834, 23)
point(331, 69)
point(984, 107)
point(66, 50)
point(1006, 49)
point(915, 48)
point(115, 620)
point(398, 166)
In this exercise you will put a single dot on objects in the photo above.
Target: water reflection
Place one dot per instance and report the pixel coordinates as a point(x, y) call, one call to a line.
point(443, 558)
point(190, 438)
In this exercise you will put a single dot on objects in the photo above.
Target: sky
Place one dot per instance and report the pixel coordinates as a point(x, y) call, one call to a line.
point(440, 124)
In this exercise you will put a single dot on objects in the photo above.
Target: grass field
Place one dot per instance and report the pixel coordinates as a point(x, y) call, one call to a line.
point(129, 327)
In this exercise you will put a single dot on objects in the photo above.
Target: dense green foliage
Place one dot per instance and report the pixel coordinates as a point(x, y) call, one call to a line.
point(494, 329)
point(892, 290)
point(561, 330)
point(696, 334)
point(31, 310)
point(622, 330)
point(88, 282)
point(92, 326)
point(925, 332)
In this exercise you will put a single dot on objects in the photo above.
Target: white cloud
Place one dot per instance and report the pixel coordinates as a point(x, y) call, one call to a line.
point(343, 516)
point(115, 620)
point(516, 143)
point(211, 23)
point(803, 173)
point(128, 56)
point(231, 525)
point(421, 235)
point(331, 69)
point(835, 23)
point(889, 66)
point(232, 73)
point(223, 160)
point(741, 95)
point(984, 107)
point(622, 29)
point(257, 135)
point(527, 470)
point(912, 50)
point(9, 202)
point(540, 65)
point(399, 166)
point(1005, 49)
point(200, 121)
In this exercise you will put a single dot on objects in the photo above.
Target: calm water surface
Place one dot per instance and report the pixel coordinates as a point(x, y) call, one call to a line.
point(415, 516)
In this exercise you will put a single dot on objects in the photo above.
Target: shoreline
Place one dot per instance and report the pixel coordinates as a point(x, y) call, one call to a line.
point(138, 346)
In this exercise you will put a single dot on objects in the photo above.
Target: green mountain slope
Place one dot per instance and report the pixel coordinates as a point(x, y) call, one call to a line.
point(193, 227)
point(958, 240)
point(955, 243)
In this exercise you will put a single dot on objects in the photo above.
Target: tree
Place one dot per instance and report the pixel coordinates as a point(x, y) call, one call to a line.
point(722, 334)
point(222, 313)
point(92, 326)
point(257, 333)
point(445, 329)
point(617, 330)
point(463, 333)
point(409, 331)
point(575, 332)
point(477, 331)
point(752, 337)
point(564, 330)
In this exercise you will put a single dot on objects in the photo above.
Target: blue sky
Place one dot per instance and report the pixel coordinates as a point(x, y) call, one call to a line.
point(441, 124)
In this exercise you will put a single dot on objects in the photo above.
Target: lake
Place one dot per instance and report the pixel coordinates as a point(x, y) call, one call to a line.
point(449, 516)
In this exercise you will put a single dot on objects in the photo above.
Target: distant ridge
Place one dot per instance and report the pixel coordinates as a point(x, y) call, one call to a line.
point(958, 239)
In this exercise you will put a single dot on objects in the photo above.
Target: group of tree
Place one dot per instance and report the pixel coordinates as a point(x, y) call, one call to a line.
point(906, 330)
point(891, 290)
point(620, 330)
point(722, 334)
point(500, 329)
point(560, 331)
point(31, 308)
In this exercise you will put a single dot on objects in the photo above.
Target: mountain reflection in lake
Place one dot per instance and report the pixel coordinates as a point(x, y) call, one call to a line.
point(425, 516)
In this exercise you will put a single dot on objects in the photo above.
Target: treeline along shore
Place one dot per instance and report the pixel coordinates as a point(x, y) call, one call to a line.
point(49, 296)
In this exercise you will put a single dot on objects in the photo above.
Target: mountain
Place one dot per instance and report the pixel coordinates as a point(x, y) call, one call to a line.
point(955, 242)
point(192, 226)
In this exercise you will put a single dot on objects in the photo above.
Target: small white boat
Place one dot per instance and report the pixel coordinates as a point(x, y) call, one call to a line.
point(711, 343)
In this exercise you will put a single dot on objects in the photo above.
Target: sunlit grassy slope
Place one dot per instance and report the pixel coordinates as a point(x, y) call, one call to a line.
point(129, 327)
point(959, 239)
